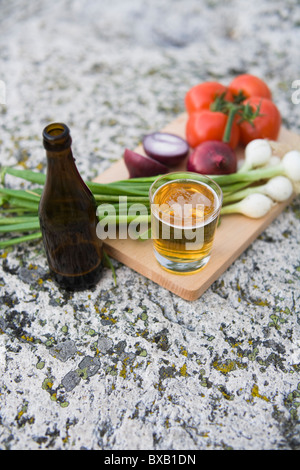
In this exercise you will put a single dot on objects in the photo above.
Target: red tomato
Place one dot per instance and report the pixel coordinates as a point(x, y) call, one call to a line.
point(266, 126)
point(250, 85)
point(209, 125)
point(201, 96)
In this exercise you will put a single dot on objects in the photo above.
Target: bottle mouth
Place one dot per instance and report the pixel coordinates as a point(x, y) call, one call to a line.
point(56, 136)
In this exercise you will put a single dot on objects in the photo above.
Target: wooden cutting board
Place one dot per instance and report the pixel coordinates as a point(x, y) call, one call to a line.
point(233, 236)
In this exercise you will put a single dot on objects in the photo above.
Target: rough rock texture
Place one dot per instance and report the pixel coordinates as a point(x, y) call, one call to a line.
point(133, 366)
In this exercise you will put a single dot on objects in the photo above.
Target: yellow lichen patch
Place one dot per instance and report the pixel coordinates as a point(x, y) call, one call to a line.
point(27, 338)
point(20, 414)
point(262, 303)
point(40, 166)
point(226, 367)
point(32, 266)
point(47, 384)
point(183, 371)
point(24, 164)
point(123, 371)
point(236, 345)
point(183, 351)
point(255, 393)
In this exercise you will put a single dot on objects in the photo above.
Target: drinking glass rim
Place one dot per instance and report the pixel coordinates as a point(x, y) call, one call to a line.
point(188, 176)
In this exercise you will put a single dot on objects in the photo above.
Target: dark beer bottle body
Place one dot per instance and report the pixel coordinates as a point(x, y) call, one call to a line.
point(67, 214)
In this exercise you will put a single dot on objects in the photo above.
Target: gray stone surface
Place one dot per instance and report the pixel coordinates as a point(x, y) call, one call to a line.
point(133, 366)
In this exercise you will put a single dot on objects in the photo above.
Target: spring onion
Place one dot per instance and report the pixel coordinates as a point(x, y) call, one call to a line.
point(251, 192)
point(257, 153)
point(254, 205)
point(289, 166)
point(274, 160)
point(278, 188)
point(18, 240)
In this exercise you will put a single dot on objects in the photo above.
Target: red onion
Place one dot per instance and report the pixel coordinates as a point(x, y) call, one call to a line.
point(213, 158)
point(141, 165)
point(169, 149)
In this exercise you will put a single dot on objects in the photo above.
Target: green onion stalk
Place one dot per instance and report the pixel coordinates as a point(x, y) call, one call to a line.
point(19, 207)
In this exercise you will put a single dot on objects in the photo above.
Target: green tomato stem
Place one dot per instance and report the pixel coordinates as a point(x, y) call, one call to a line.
point(233, 110)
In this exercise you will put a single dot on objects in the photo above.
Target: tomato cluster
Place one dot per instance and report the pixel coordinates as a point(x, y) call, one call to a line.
point(236, 114)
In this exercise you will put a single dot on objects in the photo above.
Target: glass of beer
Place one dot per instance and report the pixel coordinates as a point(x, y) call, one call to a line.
point(185, 209)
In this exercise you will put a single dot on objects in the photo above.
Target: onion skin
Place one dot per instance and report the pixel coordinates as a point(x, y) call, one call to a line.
point(213, 158)
point(140, 165)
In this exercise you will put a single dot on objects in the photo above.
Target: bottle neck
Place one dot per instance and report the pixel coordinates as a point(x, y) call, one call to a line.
point(61, 161)
point(61, 167)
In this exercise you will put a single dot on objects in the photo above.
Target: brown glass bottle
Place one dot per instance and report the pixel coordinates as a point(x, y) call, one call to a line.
point(67, 214)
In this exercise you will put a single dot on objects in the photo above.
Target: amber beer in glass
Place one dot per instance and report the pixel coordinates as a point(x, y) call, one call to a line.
point(185, 208)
